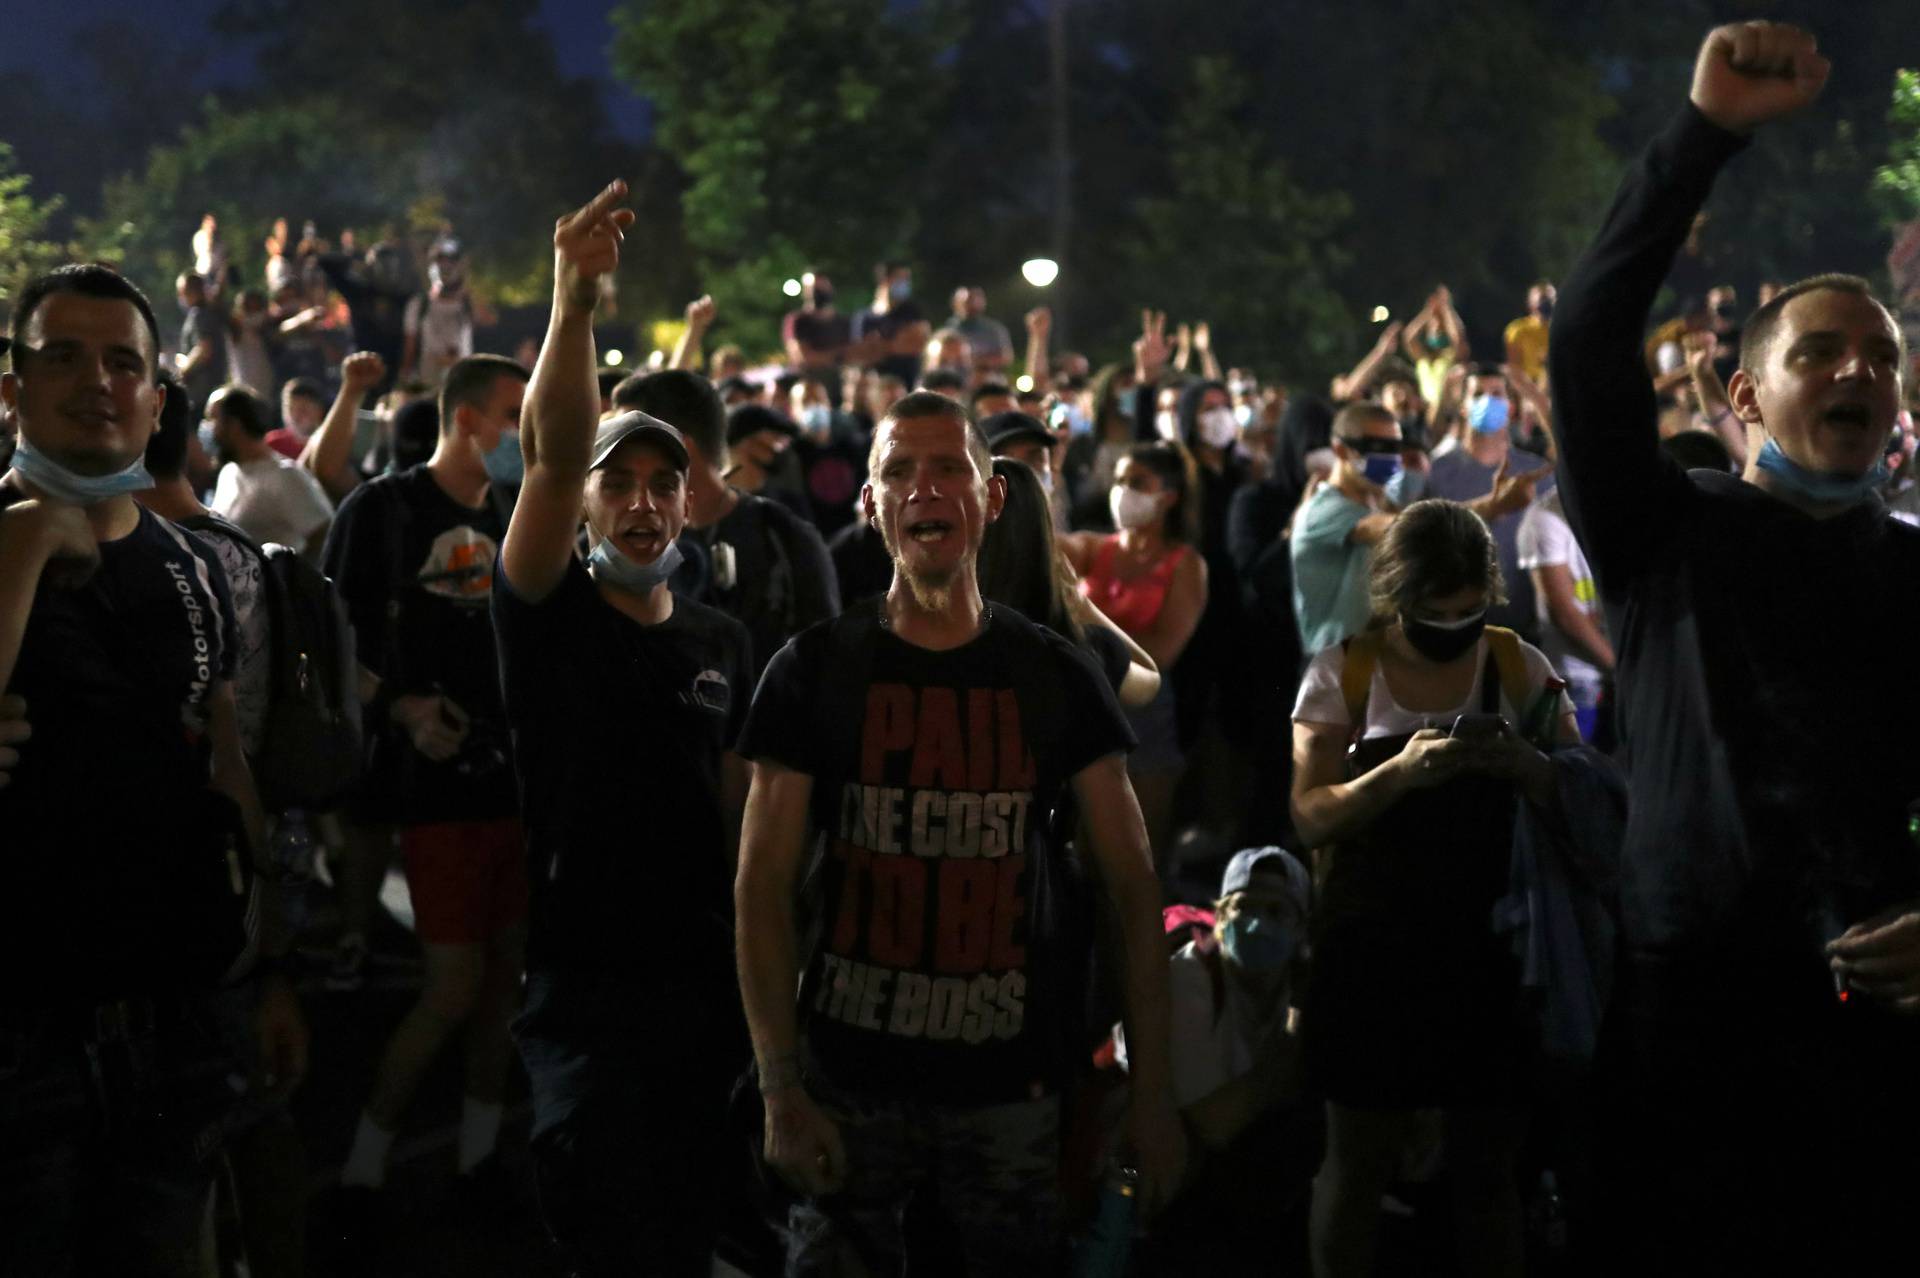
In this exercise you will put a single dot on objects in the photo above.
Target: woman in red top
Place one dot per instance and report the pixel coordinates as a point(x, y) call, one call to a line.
point(1152, 582)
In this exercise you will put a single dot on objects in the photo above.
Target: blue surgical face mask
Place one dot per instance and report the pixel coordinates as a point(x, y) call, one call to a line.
point(816, 419)
point(1406, 488)
point(610, 566)
point(73, 489)
point(1487, 413)
point(503, 461)
point(1257, 944)
point(208, 444)
point(1382, 468)
point(900, 290)
point(1810, 485)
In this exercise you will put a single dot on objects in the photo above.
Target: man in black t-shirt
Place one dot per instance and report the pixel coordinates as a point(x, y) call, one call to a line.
point(129, 820)
point(412, 555)
point(203, 340)
point(766, 566)
point(625, 703)
point(891, 335)
point(929, 742)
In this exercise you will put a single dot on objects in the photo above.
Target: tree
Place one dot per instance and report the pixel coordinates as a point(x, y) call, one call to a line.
point(1896, 183)
point(410, 119)
point(24, 249)
point(1238, 242)
point(799, 127)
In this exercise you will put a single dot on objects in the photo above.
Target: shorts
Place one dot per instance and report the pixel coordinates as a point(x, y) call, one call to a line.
point(468, 879)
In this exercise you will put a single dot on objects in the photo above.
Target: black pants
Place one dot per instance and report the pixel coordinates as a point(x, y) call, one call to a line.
point(1781, 1142)
point(630, 1085)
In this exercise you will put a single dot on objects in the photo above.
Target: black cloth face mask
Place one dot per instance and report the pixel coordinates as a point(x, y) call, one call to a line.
point(1442, 642)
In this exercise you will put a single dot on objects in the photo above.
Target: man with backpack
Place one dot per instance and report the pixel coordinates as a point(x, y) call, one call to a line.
point(930, 740)
point(128, 890)
point(625, 702)
point(413, 556)
point(284, 688)
point(766, 565)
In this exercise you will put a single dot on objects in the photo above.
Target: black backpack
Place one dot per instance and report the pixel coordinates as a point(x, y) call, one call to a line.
point(310, 746)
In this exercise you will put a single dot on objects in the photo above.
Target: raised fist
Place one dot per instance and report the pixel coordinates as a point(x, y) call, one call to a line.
point(1750, 73)
point(1039, 321)
point(586, 246)
point(700, 312)
point(362, 369)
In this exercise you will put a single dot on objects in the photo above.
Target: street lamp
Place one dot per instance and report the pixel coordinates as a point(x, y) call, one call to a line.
point(1040, 271)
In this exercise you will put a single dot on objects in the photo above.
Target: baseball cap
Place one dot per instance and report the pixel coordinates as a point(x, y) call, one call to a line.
point(1003, 430)
point(1277, 865)
point(616, 431)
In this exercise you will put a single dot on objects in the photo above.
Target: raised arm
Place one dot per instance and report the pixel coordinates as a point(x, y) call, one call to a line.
point(1622, 495)
point(1039, 326)
point(1715, 404)
point(686, 351)
point(329, 453)
point(1203, 345)
point(1450, 322)
point(563, 399)
point(1356, 379)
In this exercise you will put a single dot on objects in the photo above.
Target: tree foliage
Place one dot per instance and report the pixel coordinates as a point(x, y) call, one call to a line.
point(1235, 240)
point(1896, 183)
point(381, 118)
point(25, 248)
point(799, 127)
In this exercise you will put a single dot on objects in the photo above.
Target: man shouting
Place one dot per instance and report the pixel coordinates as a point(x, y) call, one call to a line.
point(920, 748)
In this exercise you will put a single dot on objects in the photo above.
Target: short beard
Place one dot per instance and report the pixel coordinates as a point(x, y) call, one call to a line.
point(930, 594)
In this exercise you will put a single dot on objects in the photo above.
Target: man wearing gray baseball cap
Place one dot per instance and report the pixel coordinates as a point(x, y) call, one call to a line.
point(625, 702)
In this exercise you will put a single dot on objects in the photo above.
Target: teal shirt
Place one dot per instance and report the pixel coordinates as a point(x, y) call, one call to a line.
point(1329, 571)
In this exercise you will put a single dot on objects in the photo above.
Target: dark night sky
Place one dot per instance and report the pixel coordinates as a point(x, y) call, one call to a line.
point(41, 36)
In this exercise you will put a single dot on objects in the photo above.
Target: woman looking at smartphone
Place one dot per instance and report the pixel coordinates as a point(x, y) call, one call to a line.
point(1410, 741)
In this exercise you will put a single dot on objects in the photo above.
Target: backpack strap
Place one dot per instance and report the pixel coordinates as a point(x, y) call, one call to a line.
point(1356, 675)
point(1535, 706)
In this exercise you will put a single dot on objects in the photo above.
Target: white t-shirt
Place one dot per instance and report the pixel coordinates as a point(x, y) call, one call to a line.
point(272, 500)
point(1321, 700)
point(443, 329)
point(1545, 539)
point(1207, 1053)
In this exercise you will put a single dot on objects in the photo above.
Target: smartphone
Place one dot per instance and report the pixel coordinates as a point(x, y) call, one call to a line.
point(1480, 727)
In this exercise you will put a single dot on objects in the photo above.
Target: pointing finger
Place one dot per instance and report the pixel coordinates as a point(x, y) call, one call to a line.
point(599, 206)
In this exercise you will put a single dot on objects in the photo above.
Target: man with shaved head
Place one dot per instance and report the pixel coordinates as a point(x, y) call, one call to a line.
point(910, 751)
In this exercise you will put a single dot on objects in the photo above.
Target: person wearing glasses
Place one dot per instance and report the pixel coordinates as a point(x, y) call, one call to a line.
point(1375, 475)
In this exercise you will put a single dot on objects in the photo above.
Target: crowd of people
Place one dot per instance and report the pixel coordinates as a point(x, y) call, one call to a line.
point(1069, 817)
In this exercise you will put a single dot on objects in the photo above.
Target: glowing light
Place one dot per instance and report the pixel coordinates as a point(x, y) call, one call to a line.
point(1023, 383)
point(791, 288)
point(1040, 271)
point(615, 358)
point(1380, 314)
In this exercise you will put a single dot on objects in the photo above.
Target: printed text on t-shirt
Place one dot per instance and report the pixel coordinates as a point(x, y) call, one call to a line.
point(928, 936)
